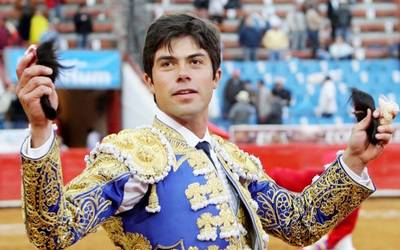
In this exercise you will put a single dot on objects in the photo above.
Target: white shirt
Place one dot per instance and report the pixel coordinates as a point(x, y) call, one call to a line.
point(134, 190)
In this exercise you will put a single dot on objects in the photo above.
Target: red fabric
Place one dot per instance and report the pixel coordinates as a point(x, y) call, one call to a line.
point(344, 228)
point(293, 180)
point(50, 4)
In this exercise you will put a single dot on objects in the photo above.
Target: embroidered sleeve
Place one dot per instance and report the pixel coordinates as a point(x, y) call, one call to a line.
point(56, 217)
point(301, 219)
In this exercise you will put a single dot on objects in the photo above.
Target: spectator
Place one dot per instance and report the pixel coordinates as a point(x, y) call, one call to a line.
point(232, 7)
point(276, 40)
point(5, 36)
point(242, 111)
point(340, 49)
point(344, 17)
point(327, 105)
point(263, 102)
point(54, 10)
point(296, 23)
point(232, 88)
point(83, 26)
point(233, 4)
point(201, 7)
point(333, 6)
point(275, 111)
point(6, 95)
point(24, 22)
point(216, 10)
point(314, 21)
point(279, 90)
point(16, 115)
point(39, 25)
point(51, 35)
point(249, 38)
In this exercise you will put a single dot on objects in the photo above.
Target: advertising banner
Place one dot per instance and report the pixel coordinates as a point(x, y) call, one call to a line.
point(86, 69)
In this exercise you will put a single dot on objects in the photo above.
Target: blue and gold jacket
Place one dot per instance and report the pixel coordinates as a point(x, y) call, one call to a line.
point(186, 206)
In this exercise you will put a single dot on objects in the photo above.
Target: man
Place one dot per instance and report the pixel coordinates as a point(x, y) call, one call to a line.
point(173, 185)
point(233, 86)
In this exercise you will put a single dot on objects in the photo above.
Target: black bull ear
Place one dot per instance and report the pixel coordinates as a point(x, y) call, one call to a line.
point(46, 55)
point(362, 101)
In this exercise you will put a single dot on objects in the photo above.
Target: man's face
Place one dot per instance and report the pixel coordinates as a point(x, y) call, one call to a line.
point(183, 80)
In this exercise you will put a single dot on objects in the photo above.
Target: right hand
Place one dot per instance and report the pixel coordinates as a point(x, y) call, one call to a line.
point(32, 85)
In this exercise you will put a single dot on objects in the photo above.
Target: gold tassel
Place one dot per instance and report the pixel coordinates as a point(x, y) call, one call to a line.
point(154, 205)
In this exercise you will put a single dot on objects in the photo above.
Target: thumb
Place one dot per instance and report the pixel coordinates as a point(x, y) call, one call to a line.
point(364, 123)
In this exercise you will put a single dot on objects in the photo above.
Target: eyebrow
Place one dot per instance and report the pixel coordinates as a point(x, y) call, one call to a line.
point(172, 57)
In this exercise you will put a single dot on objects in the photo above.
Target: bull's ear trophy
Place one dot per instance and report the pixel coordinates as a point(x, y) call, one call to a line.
point(362, 101)
point(46, 55)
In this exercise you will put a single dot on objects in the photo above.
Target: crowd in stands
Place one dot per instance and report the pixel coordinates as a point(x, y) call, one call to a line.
point(245, 103)
point(35, 24)
point(304, 28)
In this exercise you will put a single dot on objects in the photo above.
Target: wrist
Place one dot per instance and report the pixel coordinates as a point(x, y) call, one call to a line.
point(355, 163)
point(40, 134)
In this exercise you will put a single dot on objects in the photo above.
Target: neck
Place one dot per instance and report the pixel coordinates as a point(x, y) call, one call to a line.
point(198, 125)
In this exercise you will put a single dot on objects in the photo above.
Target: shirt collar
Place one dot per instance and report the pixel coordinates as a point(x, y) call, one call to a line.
point(190, 138)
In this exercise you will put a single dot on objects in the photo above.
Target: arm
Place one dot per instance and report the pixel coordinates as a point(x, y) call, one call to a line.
point(57, 216)
point(301, 219)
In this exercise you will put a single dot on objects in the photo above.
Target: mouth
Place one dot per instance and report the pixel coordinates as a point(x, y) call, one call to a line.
point(184, 92)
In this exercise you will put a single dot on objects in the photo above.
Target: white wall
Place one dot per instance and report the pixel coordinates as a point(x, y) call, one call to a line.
point(138, 107)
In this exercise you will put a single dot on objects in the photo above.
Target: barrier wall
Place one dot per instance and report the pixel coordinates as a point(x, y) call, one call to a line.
point(385, 170)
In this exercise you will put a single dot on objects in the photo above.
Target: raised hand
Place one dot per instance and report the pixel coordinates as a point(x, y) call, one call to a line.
point(359, 150)
point(34, 82)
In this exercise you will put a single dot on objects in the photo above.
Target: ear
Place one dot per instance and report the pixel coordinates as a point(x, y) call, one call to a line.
point(217, 77)
point(149, 82)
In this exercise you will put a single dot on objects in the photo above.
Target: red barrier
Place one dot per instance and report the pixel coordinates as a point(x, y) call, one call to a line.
point(385, 170)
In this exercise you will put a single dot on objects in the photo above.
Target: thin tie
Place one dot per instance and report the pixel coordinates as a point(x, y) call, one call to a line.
point(205, 146)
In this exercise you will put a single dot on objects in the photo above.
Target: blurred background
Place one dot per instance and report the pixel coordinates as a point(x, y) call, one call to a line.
point(288, 69)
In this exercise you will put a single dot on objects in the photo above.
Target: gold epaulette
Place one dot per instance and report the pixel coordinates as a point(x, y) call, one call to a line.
point(145, 151)
point(242, 163)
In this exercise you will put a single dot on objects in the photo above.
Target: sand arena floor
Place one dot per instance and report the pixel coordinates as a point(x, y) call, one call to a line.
point(378, 229)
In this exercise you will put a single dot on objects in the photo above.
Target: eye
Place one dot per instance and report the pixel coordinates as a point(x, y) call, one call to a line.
point(165, 64)
point(196, 61)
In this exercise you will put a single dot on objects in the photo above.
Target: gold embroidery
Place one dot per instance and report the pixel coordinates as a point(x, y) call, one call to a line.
point(145, 151)
point(202, 195)
point(115, 231)
point(199, 162)
point(196, 195)
point(294, 218)
point(154, 205)
point(244, 165)
point(207, 224)
point(176, 140)
point(56, 218)
point(228, 224)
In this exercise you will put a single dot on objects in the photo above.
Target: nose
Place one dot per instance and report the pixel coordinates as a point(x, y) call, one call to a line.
point(183, 74)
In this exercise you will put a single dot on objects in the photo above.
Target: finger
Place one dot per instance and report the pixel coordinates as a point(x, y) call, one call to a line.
point(383, 138)
point(33, 71)
point(37, 81)
point(386, 129)
point(36, 94)
point(26, 61)
point(376, 113)
point(364, 123)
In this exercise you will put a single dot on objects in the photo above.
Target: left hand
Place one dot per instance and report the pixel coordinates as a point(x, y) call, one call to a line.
point(359, 150)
